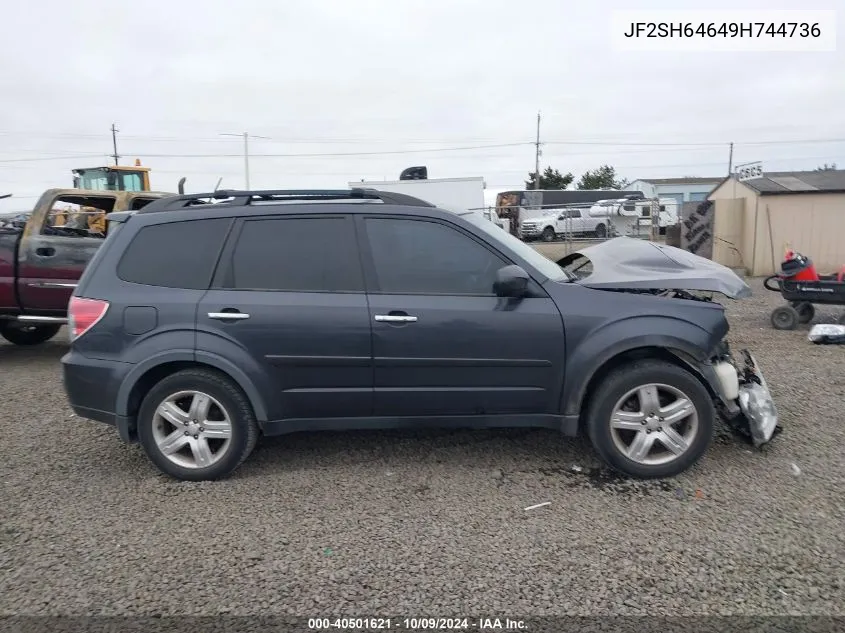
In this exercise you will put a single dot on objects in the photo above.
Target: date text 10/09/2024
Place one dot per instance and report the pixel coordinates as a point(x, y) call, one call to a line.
point(416, 624)
point(723, 29)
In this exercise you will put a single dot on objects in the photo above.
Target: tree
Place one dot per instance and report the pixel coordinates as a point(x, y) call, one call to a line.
point(603, 177)
point(549, 179)
point(826, 167)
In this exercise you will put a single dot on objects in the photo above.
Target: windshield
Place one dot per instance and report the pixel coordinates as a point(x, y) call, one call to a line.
point(95, 180)
point(542, 263)
point(101, 180)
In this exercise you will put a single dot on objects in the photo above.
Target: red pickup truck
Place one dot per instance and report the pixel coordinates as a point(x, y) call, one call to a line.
point(41, 260)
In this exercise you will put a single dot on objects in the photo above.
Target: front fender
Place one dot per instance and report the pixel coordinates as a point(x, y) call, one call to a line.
point(610, 340)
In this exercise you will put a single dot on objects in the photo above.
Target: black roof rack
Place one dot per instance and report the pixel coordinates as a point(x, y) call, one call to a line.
point(229, 197)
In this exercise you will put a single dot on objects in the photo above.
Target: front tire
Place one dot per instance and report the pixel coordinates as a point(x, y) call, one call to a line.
point(785, 318)
point(27, 334)
point(651, 419)
point(548, 234)
point(601, 231)
point(197, 425)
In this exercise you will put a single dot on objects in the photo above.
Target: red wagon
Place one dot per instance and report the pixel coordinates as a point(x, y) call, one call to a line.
point(800, 284)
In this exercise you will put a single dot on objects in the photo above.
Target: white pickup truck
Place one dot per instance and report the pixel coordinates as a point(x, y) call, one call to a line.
point(622, 216)
point(575, 221)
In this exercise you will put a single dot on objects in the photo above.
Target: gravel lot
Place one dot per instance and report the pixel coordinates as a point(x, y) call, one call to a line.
point(429, 523)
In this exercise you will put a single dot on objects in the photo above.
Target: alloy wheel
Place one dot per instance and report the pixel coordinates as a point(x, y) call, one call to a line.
point(654, 424)
point(192, 429)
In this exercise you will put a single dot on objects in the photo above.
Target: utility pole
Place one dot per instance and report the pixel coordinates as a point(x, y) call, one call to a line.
point(114, 132)
point(537, 156)
point(731, 160)
point(246, 136)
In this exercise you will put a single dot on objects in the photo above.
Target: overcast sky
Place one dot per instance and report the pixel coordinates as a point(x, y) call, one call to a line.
point(375, 76)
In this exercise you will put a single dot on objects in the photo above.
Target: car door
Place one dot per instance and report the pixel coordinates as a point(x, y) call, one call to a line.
point(443, 343)
point(289, 292)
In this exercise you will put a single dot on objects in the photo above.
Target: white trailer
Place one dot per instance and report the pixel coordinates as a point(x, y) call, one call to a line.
point(632, 217)
point(451, 194)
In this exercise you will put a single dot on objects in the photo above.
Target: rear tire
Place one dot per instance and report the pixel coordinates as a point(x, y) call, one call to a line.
point(805, 310)
point(621, 426)
point(27, 334)
point(601, 231)
point(785, 318)
point(197, 425)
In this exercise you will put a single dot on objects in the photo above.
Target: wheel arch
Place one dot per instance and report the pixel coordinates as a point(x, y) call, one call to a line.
point(145, 375)
point(579, 398)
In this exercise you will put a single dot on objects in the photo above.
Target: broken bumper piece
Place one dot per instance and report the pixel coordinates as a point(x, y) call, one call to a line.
point(756, 403)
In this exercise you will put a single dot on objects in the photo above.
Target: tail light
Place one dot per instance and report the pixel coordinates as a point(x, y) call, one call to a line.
point(83, 314)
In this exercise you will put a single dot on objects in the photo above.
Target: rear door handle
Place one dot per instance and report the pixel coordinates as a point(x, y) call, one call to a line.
point(228, 316)
point(45, 251)
point(395, 318)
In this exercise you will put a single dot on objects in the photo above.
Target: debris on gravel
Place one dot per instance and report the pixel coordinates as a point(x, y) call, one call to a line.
point(428, 522)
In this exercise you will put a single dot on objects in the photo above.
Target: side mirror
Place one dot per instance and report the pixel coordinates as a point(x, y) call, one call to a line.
point(511, 281)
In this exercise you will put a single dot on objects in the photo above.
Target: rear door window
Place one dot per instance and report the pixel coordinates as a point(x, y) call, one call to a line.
point(295, 254)
point(175, 254)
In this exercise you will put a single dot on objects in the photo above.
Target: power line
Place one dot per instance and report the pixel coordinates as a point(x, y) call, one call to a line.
point(43, 158)
point(438, 149)
point(707, 144)
point(441, 149)
point(329, 154)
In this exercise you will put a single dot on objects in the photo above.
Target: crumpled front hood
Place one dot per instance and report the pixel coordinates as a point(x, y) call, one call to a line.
point(626, 262)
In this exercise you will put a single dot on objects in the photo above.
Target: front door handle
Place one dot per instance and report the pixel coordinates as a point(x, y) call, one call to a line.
point(228, 316)
point(395, 318)
point(45, 251)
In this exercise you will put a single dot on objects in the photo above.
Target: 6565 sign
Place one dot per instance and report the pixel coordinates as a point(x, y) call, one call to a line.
point(749, 171)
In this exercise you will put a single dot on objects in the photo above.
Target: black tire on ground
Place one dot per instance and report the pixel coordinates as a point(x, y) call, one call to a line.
point(601, 231)
point(244, 428)
point(548, 234)
point(27, 334)
point(629, 377)
point(785, 318)
point(806, 311)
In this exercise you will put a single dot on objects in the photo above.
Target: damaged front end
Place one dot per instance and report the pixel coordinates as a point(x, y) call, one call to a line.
point(645, 268)
point(745, 402)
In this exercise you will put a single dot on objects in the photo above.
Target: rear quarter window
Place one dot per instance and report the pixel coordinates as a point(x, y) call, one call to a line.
point(175, 254)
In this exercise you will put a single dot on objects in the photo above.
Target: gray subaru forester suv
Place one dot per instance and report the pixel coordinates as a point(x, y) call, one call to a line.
point(206, 320)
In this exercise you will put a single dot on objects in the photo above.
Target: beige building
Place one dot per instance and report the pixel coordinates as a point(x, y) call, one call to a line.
point(757, 220)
